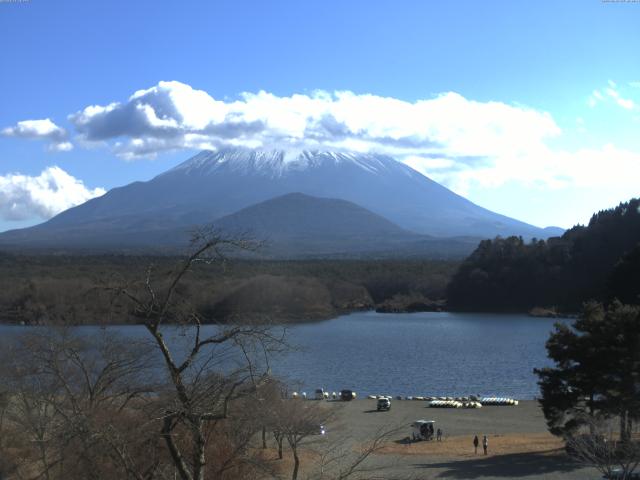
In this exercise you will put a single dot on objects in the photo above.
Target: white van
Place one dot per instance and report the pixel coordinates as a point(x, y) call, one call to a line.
point(423, 430)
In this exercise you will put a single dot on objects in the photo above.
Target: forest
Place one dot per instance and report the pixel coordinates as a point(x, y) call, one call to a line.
point(75, 290)
point(599, 261)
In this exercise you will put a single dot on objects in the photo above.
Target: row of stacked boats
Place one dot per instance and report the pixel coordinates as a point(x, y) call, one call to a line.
point(454, 404)
point(472, 401)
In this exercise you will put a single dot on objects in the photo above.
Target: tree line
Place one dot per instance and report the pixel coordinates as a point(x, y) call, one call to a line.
point(54, 290)
point(599, 262)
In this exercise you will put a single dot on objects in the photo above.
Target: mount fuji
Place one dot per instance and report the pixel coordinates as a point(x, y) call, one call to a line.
point(371, 193)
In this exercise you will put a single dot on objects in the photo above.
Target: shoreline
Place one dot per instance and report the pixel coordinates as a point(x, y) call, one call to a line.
point(303, 321)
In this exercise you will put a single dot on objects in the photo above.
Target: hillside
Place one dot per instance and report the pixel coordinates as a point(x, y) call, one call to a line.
point(598, 261)
point(297, 225)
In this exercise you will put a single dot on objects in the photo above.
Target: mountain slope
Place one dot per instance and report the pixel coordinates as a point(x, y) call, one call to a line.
point(296, 215)
point(290, 226)
point(212, 185)
point(298, 225)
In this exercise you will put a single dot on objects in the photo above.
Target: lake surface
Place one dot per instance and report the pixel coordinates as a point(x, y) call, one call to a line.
point(429, 354)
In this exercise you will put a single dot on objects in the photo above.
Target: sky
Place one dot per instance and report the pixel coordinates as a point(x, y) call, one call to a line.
point(530, 109)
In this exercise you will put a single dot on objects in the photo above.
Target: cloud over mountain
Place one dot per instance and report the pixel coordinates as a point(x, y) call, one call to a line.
point(173, 115)
point(459, 142)
point(42, 196)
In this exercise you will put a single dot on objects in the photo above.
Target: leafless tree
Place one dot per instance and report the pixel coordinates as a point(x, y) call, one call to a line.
point(221, 365)
point(599, 445)
point(188, 401)
point(341, 457)
point(268, 407)
point(297, 420)
point(66, 392)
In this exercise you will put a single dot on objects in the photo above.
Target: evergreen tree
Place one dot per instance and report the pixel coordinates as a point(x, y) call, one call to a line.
point(624, 282)
point(597, 370)
point(600, 261)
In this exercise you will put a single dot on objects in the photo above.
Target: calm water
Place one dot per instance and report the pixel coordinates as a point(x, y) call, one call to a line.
point(422, 354)
point(410, 354)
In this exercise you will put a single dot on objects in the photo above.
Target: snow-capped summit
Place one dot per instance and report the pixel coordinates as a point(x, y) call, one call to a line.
point(277, 163)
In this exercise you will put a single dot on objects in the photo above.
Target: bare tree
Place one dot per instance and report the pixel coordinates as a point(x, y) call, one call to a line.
point(269, 404)
point(341, 458)
point(297, 420)
point(71, 399)
point(599, 445)
point(201, 386)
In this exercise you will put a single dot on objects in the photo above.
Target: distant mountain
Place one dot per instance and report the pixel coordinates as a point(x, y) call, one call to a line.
point(296, 225)
point(552, 232)
point(212, 185)
point(298, 216)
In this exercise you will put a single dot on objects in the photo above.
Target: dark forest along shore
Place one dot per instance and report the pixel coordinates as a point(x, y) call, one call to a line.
point(425, 354)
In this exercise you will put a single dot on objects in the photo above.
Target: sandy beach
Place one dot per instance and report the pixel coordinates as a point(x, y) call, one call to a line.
point(519, 443)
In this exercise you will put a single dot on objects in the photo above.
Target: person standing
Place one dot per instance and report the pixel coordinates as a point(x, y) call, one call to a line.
point(475, 444)
point(439, 435)
point(485, 444)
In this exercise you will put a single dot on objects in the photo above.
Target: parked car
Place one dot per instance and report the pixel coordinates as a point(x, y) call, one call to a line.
point(384, 404)
point(422, 430)
point(347, 395)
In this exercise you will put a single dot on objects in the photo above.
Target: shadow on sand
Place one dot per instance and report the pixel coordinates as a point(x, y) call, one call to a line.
point(506, 466)
point(409, 441)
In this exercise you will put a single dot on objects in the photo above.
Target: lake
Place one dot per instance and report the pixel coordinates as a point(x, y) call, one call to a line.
point(428, 354)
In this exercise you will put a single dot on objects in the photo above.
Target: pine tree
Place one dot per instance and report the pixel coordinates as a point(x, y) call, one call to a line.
point(597, 370)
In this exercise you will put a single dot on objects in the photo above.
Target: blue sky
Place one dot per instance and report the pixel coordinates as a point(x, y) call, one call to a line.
point(533, 107)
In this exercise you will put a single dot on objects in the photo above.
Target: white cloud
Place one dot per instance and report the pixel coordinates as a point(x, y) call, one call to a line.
point(43, 196)
point(172, 115)
point(623, 102)
point(455, 140)
point(592, 169)
point(36, 129)
point(61, 147)
point(613, 93)
point(41, 130)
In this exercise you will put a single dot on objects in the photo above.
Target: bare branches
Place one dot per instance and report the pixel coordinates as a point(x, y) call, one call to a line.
point(198, 395)
point(599, 446)
point(66, 390)
point(179, 405)
point(340, 459)
point(209, 245)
